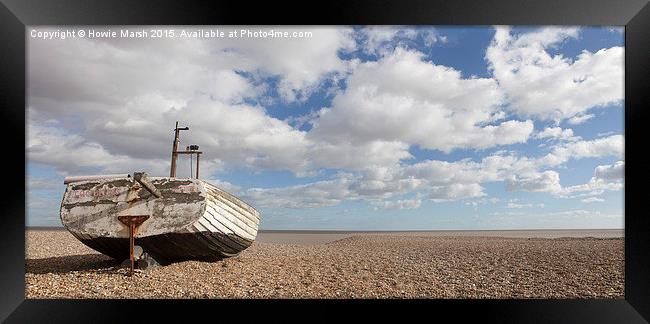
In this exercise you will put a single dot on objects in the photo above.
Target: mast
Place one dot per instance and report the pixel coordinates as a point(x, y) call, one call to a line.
point(172, 171)
point(192, 149)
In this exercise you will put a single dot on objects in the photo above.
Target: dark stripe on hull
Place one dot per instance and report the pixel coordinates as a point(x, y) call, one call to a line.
point(172, 247)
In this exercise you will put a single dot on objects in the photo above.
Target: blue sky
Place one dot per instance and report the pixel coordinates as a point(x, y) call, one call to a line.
point(355, 128)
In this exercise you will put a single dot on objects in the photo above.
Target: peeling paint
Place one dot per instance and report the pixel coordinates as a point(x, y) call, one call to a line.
point(90, 210)
point(85, 186)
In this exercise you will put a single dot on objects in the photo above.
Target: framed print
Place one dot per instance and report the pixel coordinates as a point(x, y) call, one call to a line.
point(477, 159)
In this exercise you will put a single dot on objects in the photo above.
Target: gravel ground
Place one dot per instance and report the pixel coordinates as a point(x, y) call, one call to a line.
point(361, 266)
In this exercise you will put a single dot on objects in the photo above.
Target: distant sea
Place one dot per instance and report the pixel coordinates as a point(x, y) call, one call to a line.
point(325, 236)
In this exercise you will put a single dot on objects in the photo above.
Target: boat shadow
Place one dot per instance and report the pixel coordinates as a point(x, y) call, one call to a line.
point(95, 262)
point(64, 264)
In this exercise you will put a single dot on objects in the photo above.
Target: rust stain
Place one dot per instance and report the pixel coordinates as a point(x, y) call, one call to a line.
point(133, 222)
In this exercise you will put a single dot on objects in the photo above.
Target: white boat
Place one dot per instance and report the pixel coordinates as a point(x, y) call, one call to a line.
point(169, 218)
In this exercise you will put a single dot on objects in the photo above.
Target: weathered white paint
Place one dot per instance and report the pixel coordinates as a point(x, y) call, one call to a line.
point(90, 208)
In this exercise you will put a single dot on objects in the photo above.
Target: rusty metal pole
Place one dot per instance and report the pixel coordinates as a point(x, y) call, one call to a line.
point(197, 164)
point(131, 246)
point(172, 171)
point(132, 222)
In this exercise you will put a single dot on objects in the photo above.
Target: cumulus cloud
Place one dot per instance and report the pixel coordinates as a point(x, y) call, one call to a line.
point(313, 195)
point(377, 38)
point(606, 177)
point(301, 63)
point(379, 192)
point(110, 105)
point(553, 87)
point(613, 145)
point(580, 119)
point(556, 133)
point(481, 201)
point(511, 205)
point(225, 134)
point(612, 172)
point(41, 183)
point(398, 204)
point(592, 200)
point(547, 181)
point(436, 180)
point(55, 147)
point(101, 100)
point(381, 40)
point(346, 154)
point(456, 191)
point(403, 98)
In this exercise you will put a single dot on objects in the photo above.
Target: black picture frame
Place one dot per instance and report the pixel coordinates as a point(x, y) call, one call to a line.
point(15, 15)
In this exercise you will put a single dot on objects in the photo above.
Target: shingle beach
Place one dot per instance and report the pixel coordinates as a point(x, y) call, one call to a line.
point(376, 265)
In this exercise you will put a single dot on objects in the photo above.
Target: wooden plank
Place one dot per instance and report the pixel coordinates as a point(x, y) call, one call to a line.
point(251, 216)
point(220, 210)
point(226, 223)
point(223, 226)
point(242, 214)
point(234, 200)
point(209, 227)
point(207, 237)
point(231, 244)
point(225, 237)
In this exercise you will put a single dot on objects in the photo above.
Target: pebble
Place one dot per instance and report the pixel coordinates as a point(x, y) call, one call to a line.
point(361, 266)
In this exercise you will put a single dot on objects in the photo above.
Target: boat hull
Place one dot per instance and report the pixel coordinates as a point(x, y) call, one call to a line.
point(193, 220)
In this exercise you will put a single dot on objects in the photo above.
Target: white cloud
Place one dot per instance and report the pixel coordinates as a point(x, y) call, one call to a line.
point(313, 195)
point(553, 87)
point(556, 133)
point(225, 185)
point(109, 106)
point(301, 63)
point(381, 40)
point(135, 141)
point(547, 181)
point(481, 201)
point(605, 133)
point(512, 205)
point(592, 200)
point(41, 183)
point(456, 191)
point(346, 154)
point(612, 172)
point(613, 145)
point(606, 177)
point(381, 185)
point(54, 147)
point(403, 98)
point(398, 204)
point(117, 100)
point(388, 106)
point(580, 119)
point(377, 38)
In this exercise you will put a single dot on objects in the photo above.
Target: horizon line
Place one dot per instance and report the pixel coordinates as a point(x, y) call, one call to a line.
point(380, 231)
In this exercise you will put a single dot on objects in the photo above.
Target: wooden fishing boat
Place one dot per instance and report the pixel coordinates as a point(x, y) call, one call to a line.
point(165, 218)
